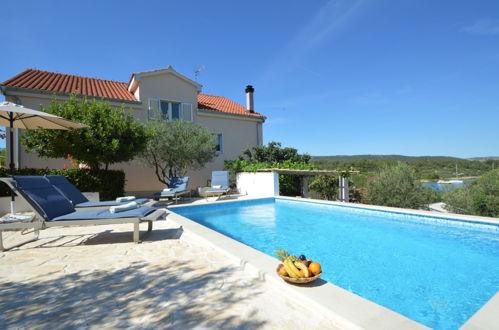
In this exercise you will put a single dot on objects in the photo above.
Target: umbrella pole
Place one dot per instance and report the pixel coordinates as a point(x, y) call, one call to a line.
point(12, 165)
point(11, 141)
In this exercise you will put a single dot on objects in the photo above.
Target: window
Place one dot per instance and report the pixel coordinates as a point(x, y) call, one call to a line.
point(219, 144)
point(169, 110)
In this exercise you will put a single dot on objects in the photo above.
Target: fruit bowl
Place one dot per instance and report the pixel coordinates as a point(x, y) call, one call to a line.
point(298, 280)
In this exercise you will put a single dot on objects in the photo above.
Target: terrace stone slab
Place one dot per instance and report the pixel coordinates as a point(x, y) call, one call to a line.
point(95, 277)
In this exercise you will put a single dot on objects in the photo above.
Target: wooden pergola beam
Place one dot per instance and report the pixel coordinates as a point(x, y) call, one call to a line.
point(306, 172)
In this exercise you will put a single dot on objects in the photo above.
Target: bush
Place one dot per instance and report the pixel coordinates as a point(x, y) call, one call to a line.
point(481, 197)
point(433, 176)
point(274, 153)
point(289, 184)
point(327, 186)
point(109, 183)
point(398, 186)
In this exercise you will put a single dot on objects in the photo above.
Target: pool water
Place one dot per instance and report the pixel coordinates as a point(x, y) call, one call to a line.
point(436, 272)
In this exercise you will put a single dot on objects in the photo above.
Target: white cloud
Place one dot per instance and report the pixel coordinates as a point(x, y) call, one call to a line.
point(327, 21)
point(484, 27)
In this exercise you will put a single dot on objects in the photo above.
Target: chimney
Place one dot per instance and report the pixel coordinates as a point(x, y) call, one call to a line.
point(249, 98)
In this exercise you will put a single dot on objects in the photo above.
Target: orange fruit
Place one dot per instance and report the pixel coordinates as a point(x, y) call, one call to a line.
point(315, 268)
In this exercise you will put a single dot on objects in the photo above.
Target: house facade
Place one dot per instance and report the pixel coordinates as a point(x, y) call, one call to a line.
point(147, 94)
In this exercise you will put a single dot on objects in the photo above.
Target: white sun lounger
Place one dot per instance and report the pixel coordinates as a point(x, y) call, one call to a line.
point(219, 185)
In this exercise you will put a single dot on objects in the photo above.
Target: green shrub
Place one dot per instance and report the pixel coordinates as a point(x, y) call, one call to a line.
point(327, 186)
point(358, 180)
point(433, 176)
point(289, 184)
point(458, 200)
point(273, 152)
point(397, 186)
point(109, 183)
point(480, 197)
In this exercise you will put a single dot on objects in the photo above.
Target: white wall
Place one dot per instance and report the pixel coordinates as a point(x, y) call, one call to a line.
point(258, 184)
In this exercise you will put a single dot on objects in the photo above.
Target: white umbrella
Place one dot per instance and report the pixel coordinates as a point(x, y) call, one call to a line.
point(16, 116)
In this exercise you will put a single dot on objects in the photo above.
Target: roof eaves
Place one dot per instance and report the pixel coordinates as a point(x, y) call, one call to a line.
point(254, 116)
point(46, 92)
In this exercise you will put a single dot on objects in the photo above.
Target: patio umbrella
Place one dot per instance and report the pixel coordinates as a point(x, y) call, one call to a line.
point(16, 116)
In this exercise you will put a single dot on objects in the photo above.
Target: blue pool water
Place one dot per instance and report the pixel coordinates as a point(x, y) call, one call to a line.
point(436, 272)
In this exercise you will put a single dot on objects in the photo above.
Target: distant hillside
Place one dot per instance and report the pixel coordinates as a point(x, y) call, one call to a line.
point(484, 158)
point(386, 157)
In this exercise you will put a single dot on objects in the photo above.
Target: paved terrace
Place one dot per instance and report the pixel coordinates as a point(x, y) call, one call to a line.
point(95, 277)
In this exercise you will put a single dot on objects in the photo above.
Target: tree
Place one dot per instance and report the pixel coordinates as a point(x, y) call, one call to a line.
point(174, 147)
point(274, 153)
point(112, 135)
point(398, 186)
point(480, 197)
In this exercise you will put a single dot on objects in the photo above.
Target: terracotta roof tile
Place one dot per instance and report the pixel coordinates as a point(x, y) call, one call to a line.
point(68, 83)
point(223, 104)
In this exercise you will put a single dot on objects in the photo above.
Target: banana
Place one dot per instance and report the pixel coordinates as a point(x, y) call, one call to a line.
point(291, 268)
point(304, 269)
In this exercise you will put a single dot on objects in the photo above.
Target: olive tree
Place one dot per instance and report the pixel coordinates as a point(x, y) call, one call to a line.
point(177, 146)
point(112, 136)
point(481, 197)
point(398, 186)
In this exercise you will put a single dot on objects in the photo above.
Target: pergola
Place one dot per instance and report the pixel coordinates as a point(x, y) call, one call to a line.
point(305, 174)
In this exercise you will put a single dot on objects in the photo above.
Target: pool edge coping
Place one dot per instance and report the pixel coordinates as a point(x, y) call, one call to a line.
point(486, 317)
point(345, 309)
point(431, 214)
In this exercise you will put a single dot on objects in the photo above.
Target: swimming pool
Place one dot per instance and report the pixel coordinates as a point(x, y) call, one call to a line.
point(438, 272)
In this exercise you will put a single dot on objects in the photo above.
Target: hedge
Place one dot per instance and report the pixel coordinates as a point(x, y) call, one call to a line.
point(109, 183)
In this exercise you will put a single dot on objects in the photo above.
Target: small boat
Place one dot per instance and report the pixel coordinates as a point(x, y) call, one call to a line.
point(450, 181)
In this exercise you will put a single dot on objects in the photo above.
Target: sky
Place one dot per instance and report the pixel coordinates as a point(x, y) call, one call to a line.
point(339, 77)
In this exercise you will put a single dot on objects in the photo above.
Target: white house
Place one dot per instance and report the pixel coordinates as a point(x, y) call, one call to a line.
point(235, 127)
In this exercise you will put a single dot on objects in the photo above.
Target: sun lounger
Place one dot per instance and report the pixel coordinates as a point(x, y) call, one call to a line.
point(219, 184)
point(177, 188)
point(53, 209)
point(77, 198)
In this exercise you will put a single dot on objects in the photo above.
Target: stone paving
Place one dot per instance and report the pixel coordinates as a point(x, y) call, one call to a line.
point(95, 277)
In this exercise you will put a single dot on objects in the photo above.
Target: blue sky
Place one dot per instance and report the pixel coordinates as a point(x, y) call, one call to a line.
point(333, 77)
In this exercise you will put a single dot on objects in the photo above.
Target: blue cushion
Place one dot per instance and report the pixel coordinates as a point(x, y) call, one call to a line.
point(66, 188)
point(105, 214)
point(46, 196)
point(110, 203)
point(217, 189)
point(77, 198)
point(171, 192)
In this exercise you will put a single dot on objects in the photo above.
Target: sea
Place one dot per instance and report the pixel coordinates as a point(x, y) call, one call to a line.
point(445, 187)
